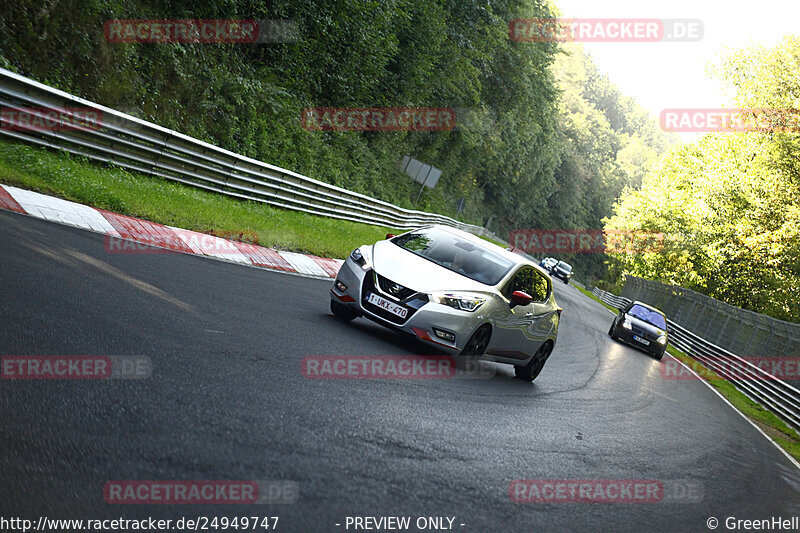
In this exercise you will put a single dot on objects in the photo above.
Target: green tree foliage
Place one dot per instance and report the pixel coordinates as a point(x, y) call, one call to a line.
point(607, 143)
point(349, 53)
point(729, 204)
point(543, 139)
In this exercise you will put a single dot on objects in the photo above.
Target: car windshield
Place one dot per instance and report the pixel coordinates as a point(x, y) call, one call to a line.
point(651, 317)
point(456, 254)
point(564, 266)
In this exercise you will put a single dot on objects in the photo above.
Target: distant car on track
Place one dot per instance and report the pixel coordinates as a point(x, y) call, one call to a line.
point(562, 271)
point(456, 292)
point(548, 263)
point(643, 327)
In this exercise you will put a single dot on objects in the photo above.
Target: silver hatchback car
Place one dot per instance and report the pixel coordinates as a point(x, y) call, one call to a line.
point(454, 291)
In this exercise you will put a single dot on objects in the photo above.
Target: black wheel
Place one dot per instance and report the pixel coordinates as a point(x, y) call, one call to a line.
point(476, 345)
point(611, 332)
point(659, 355)
point(536, 364)
point(342, 312)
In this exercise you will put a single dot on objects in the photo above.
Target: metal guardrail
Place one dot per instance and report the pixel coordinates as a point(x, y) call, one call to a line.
point(141, 146)
point(780, 397)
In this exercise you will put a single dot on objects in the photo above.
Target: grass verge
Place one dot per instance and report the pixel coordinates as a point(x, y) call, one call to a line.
point(80, 180)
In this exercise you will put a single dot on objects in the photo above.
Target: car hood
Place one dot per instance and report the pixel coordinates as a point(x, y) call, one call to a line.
point(417, 273)
point(646, 326)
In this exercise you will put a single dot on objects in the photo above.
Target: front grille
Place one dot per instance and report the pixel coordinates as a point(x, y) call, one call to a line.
point(393, 289)
point(412, 300)
point(643, 334)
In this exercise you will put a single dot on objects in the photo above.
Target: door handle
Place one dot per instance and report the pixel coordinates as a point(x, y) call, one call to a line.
point(535, 316)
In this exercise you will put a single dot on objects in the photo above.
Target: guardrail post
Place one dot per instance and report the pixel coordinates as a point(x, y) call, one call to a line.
point(722, 329)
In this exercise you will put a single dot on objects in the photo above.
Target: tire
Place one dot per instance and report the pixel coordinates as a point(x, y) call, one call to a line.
point(477, 344)
point(659, 355)
point(611, 332)
point(530, 371)
point(342, 312)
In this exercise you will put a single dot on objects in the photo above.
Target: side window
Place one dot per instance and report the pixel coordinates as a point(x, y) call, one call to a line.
point(539, 289)
point(517, 283)
point(530, 281)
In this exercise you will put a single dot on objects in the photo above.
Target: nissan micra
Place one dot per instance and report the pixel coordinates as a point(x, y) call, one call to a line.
point(454, 291)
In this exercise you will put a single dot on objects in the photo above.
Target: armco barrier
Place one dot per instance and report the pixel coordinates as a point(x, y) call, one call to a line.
point(145, 147)
point(760, 386)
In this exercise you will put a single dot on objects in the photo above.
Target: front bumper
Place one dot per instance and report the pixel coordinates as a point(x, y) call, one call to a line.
point(425, 318)
point(563, 277)
point(627, 336)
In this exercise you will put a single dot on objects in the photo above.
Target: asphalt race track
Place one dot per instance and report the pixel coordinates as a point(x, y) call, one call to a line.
point(227, 401)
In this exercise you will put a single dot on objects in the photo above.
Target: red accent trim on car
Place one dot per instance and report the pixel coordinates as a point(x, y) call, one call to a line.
point(422, 334)
point(344, 298)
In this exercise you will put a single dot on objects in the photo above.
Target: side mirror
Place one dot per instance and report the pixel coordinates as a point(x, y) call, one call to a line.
point(390, 235)
point(520, 298)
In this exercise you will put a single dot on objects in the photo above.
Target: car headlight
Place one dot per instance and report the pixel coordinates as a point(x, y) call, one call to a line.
point(463, 302)
point(662, 339)
point(626, 324)
point(356, 256)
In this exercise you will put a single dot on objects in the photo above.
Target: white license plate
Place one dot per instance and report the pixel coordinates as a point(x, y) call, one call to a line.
point(643, 341)
point(383, 303)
